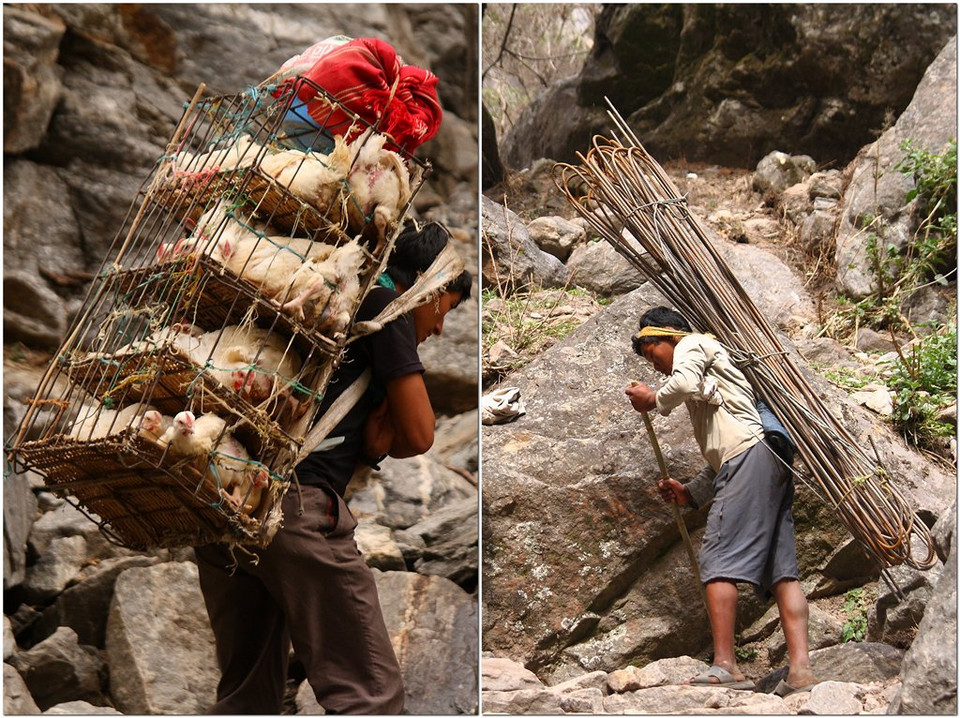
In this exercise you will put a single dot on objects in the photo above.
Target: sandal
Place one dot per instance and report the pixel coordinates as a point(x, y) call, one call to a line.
point(784, 689)
point(717, 677)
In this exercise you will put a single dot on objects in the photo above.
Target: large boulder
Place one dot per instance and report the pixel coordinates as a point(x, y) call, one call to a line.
point(778, 171)
point(568, 592)
point(568, 131)
point(556, 235)
point(85, 606)
point(449, 538)
point(127, 71)
point(31, 77)
point(16, 696)
point(56, 569)
point(851, 662)
point(571, 591)
point(875, 200)
point(503, 674)
point(60, 669)
point(433, 628)
point(19, 509)
point(597, 266)
point(67, 521)
point(507, 247)
point(32, 312)
point(408, 490)
point(929, 674)
point(159, 643)
point(40, 227)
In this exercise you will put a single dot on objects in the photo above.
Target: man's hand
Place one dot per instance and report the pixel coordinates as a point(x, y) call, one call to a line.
point(673, 490)
point(641, 396)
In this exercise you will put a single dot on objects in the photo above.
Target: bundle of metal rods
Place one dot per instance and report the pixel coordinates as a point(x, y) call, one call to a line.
point(632, 203)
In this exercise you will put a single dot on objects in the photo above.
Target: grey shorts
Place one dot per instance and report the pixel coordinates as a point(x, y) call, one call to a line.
point(749, 534)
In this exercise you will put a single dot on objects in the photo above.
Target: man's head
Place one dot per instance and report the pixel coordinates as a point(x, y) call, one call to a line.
point(658, 350)
point(414, 251)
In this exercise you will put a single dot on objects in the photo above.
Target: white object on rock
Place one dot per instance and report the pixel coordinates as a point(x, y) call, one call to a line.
point(501, 406)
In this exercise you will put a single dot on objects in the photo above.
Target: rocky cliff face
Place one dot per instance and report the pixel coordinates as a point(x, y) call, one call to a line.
point(92, 94)
point(730, 83)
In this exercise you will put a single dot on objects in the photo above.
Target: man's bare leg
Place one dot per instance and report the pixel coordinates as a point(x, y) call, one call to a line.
point(722, 608)
point(794, 617)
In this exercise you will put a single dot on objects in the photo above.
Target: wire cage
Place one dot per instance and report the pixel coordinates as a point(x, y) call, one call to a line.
point(228, 293)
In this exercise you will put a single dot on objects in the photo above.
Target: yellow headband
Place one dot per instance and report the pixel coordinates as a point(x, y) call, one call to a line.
point(659, 332)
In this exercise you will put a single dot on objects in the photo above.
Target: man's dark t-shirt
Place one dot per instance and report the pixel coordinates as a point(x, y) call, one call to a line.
point(390, 353)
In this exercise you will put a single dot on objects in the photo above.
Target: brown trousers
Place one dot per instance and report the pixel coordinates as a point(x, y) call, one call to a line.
point(311, 586)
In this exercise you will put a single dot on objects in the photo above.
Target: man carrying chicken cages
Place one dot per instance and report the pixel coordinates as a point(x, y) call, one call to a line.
point(204, 189)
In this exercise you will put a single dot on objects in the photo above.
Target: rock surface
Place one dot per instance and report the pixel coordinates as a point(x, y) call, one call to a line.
point(433, 628)
point(578, 561)
point(16, 696)
point(929, 666)
point(60, 669)
point(583, 451)
point(730, 84)
point(507, 243)
point(661, 687)
point(876, 196)
point(161, 652)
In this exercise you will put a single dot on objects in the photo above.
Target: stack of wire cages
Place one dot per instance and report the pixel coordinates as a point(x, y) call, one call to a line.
point(223, 306)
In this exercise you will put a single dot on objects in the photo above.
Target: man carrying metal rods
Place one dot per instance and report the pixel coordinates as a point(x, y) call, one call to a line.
point(749, 533)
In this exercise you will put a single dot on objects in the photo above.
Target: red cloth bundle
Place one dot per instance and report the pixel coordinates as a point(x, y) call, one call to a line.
point(367, 77)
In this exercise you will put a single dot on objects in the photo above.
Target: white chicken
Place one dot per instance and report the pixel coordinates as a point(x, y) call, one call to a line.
point(269, 262)
point(180, 334)
point(379, 188)
point(325, 292)
point(315, 178)
point(230, 470)
point(190, 436)
point(240, 154)
point(254, 362)
point(239, 480)
point(221, 224)
point(96, 422)
point(153, 425)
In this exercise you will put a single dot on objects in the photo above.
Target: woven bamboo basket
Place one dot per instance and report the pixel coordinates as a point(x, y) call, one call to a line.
point(122, 353)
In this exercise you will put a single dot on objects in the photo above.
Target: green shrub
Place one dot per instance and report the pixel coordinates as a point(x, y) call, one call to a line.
point(934, 249)
point(925, 382)
point(930, 256)
point(855, 606)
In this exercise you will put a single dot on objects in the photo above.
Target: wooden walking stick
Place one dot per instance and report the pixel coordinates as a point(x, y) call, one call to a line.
point(676, 509)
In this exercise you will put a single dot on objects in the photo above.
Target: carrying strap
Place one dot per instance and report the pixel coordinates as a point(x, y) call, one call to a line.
point(334, 415)
point(445, 268)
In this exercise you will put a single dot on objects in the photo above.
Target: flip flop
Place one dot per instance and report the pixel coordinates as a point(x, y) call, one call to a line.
point(784, 689)
point(724, 679)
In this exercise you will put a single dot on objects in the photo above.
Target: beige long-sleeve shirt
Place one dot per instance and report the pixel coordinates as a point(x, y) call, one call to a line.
point(722, 431)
